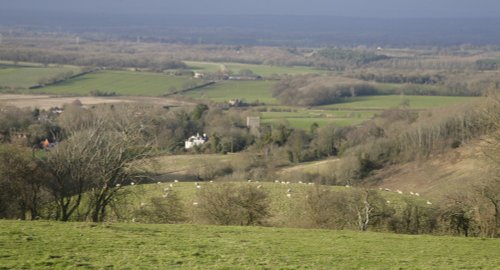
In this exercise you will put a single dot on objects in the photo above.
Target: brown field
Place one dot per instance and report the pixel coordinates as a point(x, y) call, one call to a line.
point(47, 102)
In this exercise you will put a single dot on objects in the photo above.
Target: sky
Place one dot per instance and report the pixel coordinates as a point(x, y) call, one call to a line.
point(338, 8)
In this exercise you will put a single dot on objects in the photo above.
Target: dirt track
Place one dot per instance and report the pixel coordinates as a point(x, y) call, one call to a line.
point(47, 102)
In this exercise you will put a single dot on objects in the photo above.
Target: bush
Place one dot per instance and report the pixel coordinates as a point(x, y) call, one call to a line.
point(230, 204)
point(166, 209)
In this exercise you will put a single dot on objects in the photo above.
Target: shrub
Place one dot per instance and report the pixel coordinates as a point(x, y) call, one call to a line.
point(230, 204)
point(167, 209)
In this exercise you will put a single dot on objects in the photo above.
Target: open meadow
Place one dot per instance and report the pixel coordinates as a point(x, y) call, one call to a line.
point(26, 75)
point(56, 245)
point(122, 83)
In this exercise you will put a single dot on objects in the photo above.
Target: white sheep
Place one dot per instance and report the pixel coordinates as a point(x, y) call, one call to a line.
point(259, 186)
point(171, 185)
point(118, 185)
point(159, 183)
point(429, 203)
point(198, 187)
point(132, 183)
point(289, 195)
point(411, 193)
point(249, 181)
point(289, 190)
point(417, 194)
point(399, 191)
point(387, 189)
point(195, 203)
point(276, 181)
point(176, 181)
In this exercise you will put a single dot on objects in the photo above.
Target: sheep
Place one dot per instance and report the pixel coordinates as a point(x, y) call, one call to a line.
point(411, 193)
point(176, 181)
point(399, 191)
point(143, 204)
point(288, 182)
point(195, 203)
point(276, 181)
point(289, 195)
point(289, 190)
point(417, 194)
point(283, 182)
point(159, 183)
point(198, 187)
point(310, 183)
point(249, 181)
point(300, 182)
point(259, 186)
point(388, 201)
point(387, 189)
point(132, 183)
point(118, 185)
point(429, 203)
point(171, 185)
point(347, 186)
point(211, 181)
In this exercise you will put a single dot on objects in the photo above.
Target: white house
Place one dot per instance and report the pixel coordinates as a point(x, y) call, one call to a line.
point(195, 141)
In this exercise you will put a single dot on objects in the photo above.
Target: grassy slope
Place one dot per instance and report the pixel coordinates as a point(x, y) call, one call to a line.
point(121, 82)
point(49, 245)
point(27, 75)
point(439, 175)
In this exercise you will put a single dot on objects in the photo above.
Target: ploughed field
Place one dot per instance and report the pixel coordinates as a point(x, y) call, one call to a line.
point(56, 245)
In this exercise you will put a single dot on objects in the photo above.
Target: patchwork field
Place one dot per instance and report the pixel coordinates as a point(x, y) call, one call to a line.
point(24, 76)
point(249, 91)
point(122, 83)
point(55, 245)
point(395, 101)
point(262, 70)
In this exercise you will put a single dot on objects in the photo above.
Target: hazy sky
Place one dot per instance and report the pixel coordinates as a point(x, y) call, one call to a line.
point(347, 8)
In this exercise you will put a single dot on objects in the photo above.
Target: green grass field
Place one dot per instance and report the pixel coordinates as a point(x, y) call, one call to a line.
point(304, 118)
point(123, 83)
point(24, 76)
point(394, 101)
point(262, 70)
point(55, 245)
point(249, 91)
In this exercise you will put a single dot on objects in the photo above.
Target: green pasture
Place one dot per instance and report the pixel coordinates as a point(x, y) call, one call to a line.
point(248, 91)
point(395, 101)
point(24, 76)
point(262, 70)
point(123, 83)
point(304, 118)
point(58, 245)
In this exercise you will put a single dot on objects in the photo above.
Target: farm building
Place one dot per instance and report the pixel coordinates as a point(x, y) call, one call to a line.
point(195, 141)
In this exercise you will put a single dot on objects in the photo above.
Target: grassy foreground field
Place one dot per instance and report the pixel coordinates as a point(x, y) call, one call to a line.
point(54, 245)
